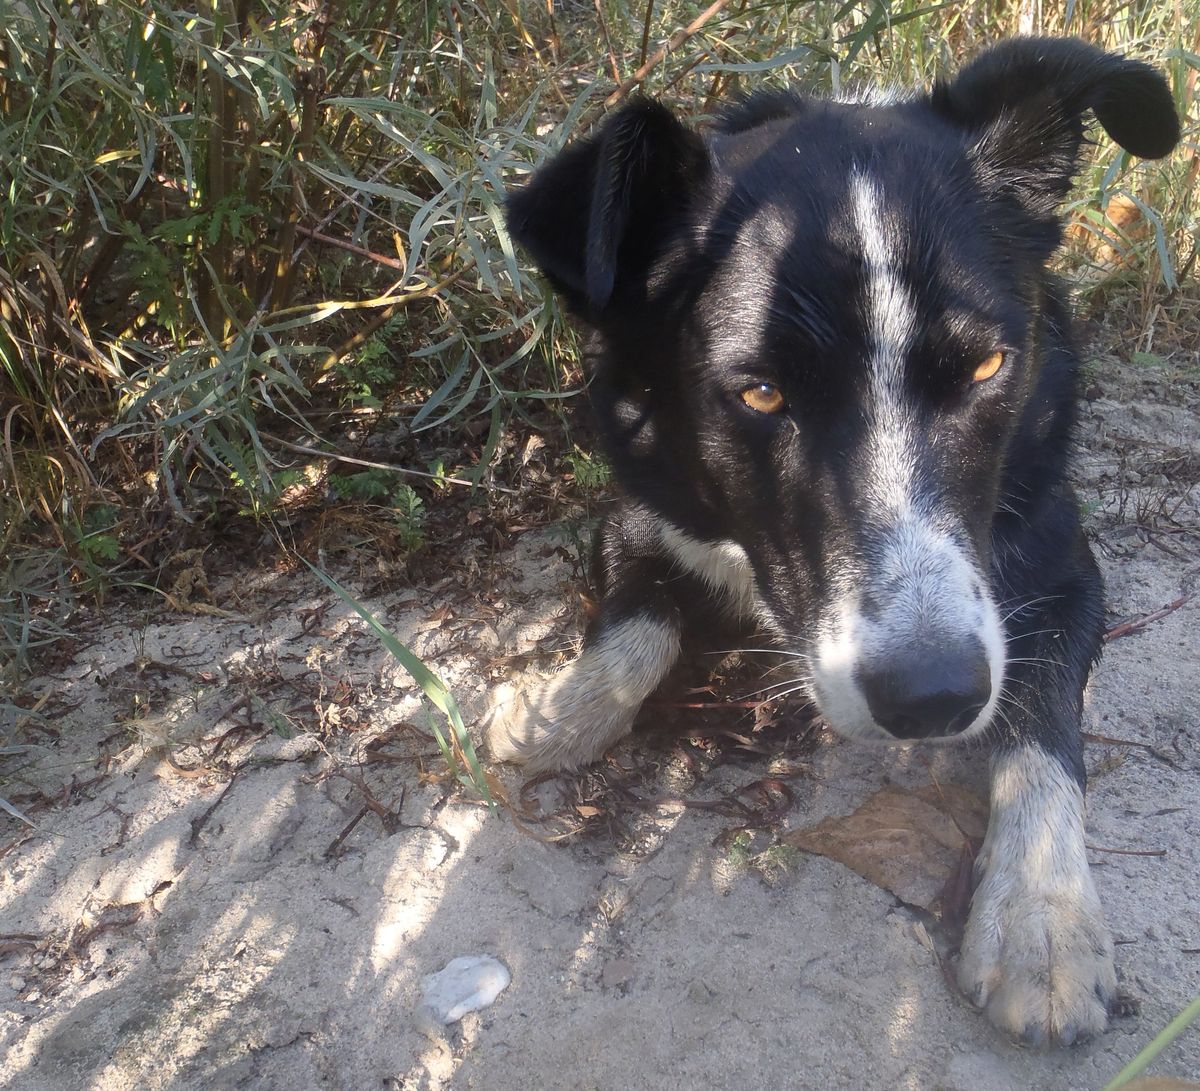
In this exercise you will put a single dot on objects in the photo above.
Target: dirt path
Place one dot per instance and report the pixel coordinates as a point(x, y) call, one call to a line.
point(244, 862)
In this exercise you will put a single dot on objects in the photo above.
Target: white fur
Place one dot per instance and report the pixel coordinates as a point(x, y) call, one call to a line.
point(724, 566)
point(572, 718)
point(927, 580)
point(892, 320)
point(873, 95)
point(935, 593)
point(1037, 953)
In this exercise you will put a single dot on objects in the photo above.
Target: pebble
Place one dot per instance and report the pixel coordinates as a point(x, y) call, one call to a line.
point(465, 984)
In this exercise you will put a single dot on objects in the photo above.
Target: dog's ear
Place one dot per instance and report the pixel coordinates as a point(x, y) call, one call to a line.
point(596, 215)
point(1023, 102)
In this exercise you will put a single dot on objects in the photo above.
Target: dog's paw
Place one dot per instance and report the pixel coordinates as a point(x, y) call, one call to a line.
point(550, 724)
point(570, 719)
point(1039, 961)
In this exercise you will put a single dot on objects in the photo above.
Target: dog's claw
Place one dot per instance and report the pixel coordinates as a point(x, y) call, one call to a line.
point(1034, 1035)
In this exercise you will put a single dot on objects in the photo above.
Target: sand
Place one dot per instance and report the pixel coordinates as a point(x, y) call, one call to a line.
point(198, 908)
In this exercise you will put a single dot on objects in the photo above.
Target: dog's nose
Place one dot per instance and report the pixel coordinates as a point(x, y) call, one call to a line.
point(928, 692)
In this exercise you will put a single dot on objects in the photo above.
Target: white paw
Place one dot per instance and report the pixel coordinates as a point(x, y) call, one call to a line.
point(540, 726)
point(1037, 955)
point(572, 718)
point(1040, 962)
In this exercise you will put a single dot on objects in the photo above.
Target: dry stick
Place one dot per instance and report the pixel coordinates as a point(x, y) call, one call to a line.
point(1128, 852)
point(1139, 623)
point(646, 31)
point(333, 456)
point(553, 39)
point(721, 78)
point(349, 247)
point(674, 42)
point(1109, 740)
point(285, 268)
point(612, 57)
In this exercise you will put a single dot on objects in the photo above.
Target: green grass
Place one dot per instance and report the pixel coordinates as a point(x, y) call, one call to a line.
point(454, 741)
point(235, 224)
point(1160, 1042)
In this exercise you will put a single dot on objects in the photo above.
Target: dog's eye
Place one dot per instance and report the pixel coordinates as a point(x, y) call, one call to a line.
point(764, 398)
point(988, 368)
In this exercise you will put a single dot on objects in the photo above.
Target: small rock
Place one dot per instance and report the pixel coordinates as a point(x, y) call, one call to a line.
point(465, 984)
point(16, 983)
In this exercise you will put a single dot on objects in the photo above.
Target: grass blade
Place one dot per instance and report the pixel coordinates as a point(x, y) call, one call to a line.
point(439, 695)
point(1160, 1042)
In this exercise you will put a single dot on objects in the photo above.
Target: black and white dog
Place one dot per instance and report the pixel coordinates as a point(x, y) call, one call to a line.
point(837, 387)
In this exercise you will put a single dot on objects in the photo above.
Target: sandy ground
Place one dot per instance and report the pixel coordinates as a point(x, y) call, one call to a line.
point(198, 908)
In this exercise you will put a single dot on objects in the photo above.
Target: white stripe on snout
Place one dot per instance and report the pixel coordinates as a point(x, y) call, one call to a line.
point(925, 584)
point(891, 324)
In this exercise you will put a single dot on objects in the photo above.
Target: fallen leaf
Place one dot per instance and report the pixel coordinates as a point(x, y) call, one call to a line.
point(909, 843)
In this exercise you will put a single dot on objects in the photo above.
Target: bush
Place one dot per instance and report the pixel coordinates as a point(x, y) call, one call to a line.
point(253, 218)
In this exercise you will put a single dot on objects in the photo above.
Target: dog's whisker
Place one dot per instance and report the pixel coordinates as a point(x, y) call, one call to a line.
point(795, 683)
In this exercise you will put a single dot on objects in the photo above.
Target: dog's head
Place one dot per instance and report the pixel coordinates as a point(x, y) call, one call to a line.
point(818, 334)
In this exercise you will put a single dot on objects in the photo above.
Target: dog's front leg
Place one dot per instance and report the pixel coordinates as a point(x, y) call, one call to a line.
point(1037, 953)
point(571, 718)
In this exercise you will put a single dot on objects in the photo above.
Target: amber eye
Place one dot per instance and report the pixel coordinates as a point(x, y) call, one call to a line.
point(763, 398)
point(988, 368)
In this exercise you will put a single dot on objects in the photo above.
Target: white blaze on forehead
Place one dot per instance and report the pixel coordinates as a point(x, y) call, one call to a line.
point(891, 327)
point(926, 584)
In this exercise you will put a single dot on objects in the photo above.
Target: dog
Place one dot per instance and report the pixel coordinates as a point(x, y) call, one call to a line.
point(837, 387)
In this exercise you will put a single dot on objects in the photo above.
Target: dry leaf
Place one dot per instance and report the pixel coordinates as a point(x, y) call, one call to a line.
point(908, 843)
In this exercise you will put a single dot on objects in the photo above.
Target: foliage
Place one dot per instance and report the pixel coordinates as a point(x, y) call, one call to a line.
point(226, 222)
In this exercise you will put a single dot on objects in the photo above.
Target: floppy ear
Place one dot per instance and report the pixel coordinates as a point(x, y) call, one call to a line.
point(596, 215)
point(1024, 102)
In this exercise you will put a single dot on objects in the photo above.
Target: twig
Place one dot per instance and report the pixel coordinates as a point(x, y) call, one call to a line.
point(198, 824)
point(674, 42)
point(612, 56)
point(349, 247)
point(703, 704)
point(335, 846)
point(646, 31)
point(1111, 740)
point(301, 449)
point(340, 352)
point(1129, 852)
point(1125, 628)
